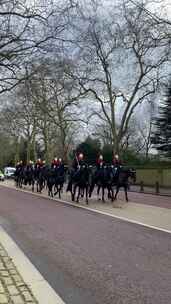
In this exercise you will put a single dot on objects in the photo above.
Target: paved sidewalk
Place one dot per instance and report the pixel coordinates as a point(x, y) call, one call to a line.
point(13, 289)
point(147, 215)
point(20, 281)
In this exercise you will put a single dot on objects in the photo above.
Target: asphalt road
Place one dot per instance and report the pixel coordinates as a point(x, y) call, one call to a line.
point(89, 258)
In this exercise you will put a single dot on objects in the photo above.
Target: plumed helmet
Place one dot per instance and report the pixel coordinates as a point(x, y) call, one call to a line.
point(55, 159)
point(101, 157)
point(116, 156)
point(60, 159)
point(81, 155)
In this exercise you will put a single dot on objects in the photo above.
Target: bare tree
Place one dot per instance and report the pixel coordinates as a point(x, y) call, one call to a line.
point(19, 120)
point(26, 29)
point(56, 98)
point(121, 62)
point(158, 17)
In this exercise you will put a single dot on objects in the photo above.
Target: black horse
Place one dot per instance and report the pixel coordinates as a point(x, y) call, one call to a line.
point(28, 177)
point(50, 177)
point(59, 179)
point(79, 180)
point(122, 180)
point(102, 178)
point(41, 177)
point(19, 176)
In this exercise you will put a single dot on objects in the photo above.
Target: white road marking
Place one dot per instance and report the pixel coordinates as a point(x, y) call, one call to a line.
point(93, 210)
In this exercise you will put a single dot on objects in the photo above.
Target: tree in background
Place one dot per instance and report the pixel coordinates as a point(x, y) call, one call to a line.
point(161, 137)
point(122, 58)
point(26, 29)
point(91, 148)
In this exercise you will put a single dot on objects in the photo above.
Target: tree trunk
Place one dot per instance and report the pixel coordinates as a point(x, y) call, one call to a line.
point(46, 143)
point(17, 152)
point(28, 150)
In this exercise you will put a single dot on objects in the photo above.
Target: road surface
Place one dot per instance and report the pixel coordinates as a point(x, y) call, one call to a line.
point(86, 257)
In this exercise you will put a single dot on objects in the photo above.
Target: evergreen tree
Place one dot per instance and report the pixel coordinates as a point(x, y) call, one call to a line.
point(90, 148)
point(161, 137)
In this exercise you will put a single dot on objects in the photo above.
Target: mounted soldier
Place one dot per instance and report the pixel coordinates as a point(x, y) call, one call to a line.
point(37, 167)
point(54, 162)
point(100, 162)
point(18, 173)
point(30, 166)
point(17, 169)
point(60, 167)
point(116, 164)
point(59, 176)
point(99, 166)
point(116, 161)
point(78, 162)
point(38, 163)
point(40, 175)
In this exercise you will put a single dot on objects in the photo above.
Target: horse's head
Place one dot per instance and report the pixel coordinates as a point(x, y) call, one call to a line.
point(83, 167)
point(132, 174)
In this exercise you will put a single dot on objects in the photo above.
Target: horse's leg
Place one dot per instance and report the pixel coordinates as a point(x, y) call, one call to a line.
point(117, 190)
point(112, 196)
point(92, 185)
point(73, 193)
point(37, 184)
point(98, 191)
point(32, 186)
point(87, 194)
point(48, 189)
point(82, 193)
point(51, 191)
point(103, 200)
point(41, 187)
point(55, 189)
point(79, 192)
point(110, 192)
point(126, 194)
point(19, 183)
point(59, 190)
